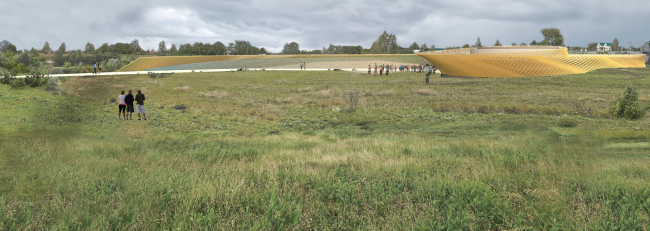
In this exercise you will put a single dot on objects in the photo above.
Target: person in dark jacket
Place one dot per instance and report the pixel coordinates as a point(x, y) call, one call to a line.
point(129, 104)
point(139, 98)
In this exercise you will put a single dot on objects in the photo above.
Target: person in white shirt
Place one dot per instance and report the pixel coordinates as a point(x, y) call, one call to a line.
point(122, 106)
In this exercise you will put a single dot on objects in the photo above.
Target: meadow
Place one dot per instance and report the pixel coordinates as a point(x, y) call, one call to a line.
point(328, 151)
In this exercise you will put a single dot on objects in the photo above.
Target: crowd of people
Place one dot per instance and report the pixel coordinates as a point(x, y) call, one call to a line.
point(419, 69)
point(126, 105)
point(401, 68)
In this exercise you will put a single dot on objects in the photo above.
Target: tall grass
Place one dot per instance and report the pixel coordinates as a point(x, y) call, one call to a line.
point(479, 154)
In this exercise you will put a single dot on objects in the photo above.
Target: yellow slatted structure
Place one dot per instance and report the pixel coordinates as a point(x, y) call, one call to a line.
point(524, 61)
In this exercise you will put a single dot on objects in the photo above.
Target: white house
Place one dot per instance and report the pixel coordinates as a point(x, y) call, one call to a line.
point(645, 48)
point(604, 47)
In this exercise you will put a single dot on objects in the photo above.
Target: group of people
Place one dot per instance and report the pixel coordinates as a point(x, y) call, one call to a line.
point(126, 105)
point(415, 68)
point(303, 65)
point(96, 67)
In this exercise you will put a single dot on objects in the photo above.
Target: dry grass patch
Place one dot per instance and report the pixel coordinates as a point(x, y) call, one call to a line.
point(426, 92)
point(324, 93)
point(306, 89)
point(215, 94)
point(183, 88)
point(385, 92)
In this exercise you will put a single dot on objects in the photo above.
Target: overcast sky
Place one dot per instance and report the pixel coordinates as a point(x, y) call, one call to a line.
point(317, 23)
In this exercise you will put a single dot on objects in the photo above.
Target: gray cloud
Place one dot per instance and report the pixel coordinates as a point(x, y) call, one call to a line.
point(314, 24)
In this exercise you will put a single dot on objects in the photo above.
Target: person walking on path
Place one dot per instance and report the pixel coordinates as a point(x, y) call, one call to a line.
point(375, 69)
point(139, 98)
point(94, 68)
point(301, 66)
point(387, 69)
point(99, 68)
point(122, 106)
point(381, 70)
point(304, 65)
point(129, 104)
point(427, 72)
point(369, 70)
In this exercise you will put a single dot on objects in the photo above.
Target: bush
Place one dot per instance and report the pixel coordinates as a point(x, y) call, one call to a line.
point(36, 81)
point(18, 83)
point(628, 107)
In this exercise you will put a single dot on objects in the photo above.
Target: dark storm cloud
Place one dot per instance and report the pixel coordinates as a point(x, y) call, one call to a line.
point(315, 24)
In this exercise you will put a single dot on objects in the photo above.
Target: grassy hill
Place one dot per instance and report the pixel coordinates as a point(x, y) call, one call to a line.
point(286, 150)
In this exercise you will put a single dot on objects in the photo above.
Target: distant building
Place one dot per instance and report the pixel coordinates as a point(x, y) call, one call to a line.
point(645, 48)
point(152, 52)
point(604, 47)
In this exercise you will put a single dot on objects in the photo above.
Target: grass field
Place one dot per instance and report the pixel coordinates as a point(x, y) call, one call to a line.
point(267, 61)
point(284, 151)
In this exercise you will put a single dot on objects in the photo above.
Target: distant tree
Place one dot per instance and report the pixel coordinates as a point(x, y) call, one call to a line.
point(497, 44)
point(533, 43)
point(522, 44)
point(62, 48)
point(219, 48)
point(424, 47)
point(230, 49)
point(33, 53)
point(173, 50)
point(104, 48)
point(263, 51)
point(46, 48)
point(478, 42)
point(553, 37)
point(186, 49)
point(59, 60)
point(6, 46)
point(291, 48)
point(592, 46)
point(615, 45)
point(241, 47)
point(90, 48)
point(466, 46)
point(24, 58)
point(414, 46)
point(135, 46)
point(162, 48)
point(385, 44)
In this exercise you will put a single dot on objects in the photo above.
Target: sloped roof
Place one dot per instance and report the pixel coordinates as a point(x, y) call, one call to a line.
point(603, 44)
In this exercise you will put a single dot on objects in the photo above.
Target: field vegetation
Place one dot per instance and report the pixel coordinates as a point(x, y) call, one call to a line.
point(326, 150)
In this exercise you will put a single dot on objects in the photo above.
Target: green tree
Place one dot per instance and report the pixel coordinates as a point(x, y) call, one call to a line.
point(46, 48)
point(263, 51)
point(59, 59)
point(162, 48)
point(135, 46)
point(6, 46)
point(497, 44)
point(478, 42)
point(592, 46)
point(533, 43)
point(104, 48)
point(90, 48)
point(424, 47)
point(291, 48)
point(553, 37)
point(466, 46)
point(173, 50)
point(220, 48)
point(385, 44)
point(414, 46)
point(615, 45)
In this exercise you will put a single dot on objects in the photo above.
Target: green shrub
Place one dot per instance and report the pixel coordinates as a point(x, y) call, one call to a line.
point(628, 107)
point(18, 83)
